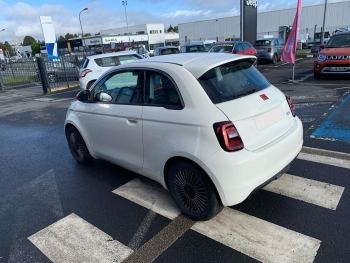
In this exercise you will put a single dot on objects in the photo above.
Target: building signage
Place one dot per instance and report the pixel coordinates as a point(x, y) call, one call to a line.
point(249, 20)
point(253, 3)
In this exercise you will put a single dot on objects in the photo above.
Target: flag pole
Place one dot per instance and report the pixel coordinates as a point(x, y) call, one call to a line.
point(293, 72)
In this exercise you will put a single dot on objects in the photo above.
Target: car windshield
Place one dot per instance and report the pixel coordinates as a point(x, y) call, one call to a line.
point(339, 41)
point(233, 80)
point(227, 48)
point(261, 43)
point(169, 51)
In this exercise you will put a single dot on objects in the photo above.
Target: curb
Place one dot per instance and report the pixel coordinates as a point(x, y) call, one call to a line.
point(326, 153)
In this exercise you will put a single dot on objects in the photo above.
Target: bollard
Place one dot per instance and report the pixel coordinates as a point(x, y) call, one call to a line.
point(43, 75)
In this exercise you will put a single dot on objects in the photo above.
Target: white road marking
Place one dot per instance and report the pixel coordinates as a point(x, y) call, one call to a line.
point(310, 191)
point(258, 238)
point(72, 239)
point(324, 160)
point(252, 236)
point(149, 195)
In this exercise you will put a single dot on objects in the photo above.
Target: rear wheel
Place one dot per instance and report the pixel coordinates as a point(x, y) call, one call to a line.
point(77, 146)
point(317, 76)
point(192, 191)
point(275, 59)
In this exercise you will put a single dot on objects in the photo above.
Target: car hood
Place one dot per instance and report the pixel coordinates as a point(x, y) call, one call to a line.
point(336, 51)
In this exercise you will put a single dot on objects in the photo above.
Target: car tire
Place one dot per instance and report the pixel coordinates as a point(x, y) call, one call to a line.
point(77, 146)
point(317, 76)
point(192, 191)
point(52, 78)
point(274, 59)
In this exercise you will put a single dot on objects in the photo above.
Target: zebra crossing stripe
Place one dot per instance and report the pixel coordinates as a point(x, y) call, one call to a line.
point(72, 239)
point(252, 236)
point(310, 191)
point(339, 162)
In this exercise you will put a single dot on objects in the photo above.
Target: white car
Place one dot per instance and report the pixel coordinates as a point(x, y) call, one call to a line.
point(208, 127)
point(95, 66)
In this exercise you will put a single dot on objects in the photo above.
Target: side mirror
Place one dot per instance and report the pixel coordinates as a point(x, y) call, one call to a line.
point(83, 95)
point(104, 97)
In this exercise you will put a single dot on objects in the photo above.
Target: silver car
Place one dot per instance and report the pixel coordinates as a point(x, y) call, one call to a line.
point(269, 49)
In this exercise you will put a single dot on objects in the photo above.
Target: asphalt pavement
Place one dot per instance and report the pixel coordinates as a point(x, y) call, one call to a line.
point(54, 210)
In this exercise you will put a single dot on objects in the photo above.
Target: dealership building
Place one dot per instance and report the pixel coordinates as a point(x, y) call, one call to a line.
point(273, 23)
point(150, 35)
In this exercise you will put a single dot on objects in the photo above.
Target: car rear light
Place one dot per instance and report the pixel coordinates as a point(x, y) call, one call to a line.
point(85, 72)
point(228, 136)
point(291, 105)
point(269, 49)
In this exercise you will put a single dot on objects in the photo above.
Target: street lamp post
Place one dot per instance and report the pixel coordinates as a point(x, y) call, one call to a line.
point(125, 3)
point(324, 22)
point(81, 27)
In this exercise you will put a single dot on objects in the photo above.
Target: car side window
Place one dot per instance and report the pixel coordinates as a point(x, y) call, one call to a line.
point(238, 47)
point(120, 88)
point(161, 91)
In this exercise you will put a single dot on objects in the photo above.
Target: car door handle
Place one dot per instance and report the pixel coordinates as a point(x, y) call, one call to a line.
point(132, 121)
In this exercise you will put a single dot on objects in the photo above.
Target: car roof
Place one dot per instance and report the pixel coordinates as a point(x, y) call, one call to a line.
point(342, 33)
point(120, 53)
point(196, 63)
point(193, 44)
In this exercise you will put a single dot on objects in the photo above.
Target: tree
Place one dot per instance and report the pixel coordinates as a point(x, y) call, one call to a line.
point(87, 35)
point(7, 48)
point(28, 41)
point(170, 29)
point(68, 36)
point(176, 29)
point(36, 47)
point(61, 38)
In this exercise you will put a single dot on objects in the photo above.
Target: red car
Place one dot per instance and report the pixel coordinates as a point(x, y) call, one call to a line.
point(234, 47)
point(334, 58)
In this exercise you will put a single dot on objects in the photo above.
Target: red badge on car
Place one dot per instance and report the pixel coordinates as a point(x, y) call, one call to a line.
point(264, 97)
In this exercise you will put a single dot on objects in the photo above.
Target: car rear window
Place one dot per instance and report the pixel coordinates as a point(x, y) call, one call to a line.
point(169, 51)
point(227, 48)
point(115, 60)
point(261, 43)
point(197, 48)
point(232, 80)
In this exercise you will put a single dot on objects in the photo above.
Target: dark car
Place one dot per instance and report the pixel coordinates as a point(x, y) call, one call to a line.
point(234, 47)
point(193, 48)
point(269, 49)
point(62, 71)
point(167, 50)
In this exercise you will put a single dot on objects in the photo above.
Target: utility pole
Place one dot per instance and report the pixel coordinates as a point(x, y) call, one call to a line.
point(324, 22)
point(125, 3)
point(81, 27)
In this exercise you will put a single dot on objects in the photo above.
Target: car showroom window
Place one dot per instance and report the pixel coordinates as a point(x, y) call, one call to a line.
point(161, 91)
point(120, 88)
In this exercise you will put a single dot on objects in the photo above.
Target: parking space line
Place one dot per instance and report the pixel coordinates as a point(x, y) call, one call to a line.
point(72, 239)
point(310, 191)
point(343, 163)
point(252, 236)
point(258, 238)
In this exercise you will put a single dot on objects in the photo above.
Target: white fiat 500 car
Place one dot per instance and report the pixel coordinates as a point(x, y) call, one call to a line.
point(208, 127)
point(95, 66)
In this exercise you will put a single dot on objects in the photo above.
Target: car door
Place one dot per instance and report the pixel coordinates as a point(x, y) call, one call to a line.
point(162, 113)
point(113, 118)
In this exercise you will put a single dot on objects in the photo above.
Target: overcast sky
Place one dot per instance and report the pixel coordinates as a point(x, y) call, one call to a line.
point(21, 18)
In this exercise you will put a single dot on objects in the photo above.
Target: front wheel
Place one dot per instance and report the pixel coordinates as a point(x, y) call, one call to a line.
point(192, 191)
point(77, 146)
point(275, 59)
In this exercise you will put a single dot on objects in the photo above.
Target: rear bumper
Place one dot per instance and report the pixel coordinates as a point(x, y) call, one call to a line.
point(265, 56)
point(236, 175)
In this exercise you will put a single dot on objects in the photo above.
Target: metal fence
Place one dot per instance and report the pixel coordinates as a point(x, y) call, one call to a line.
point(18, 72)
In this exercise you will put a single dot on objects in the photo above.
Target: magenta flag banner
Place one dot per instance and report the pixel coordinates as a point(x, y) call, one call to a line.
point(289, 50)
